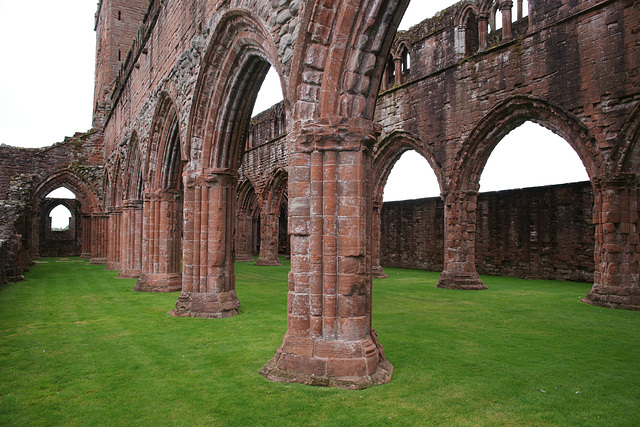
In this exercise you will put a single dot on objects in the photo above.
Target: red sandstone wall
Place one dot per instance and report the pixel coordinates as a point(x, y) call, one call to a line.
point(544, 232)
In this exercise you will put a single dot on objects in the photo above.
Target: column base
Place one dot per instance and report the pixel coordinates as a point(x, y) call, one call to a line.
point(461, 281)
point(613, 297)
point(128, 274)
point(378, 272)
point(329, 363)
point(268, 261)
point(98, 261)
point(244, 258)
point(84, 256)
point(113, 266)
point(159, 283)
point(206, 305)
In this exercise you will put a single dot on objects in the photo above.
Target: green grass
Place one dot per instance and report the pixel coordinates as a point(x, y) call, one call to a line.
point(79, 347)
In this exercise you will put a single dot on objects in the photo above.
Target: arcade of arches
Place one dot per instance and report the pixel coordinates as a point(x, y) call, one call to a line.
point(175, 168)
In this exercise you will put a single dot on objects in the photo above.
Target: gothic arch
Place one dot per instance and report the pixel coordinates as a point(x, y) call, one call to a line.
point(86, 195)
point(387, 154)
point(234, 67)
point(360, 65)
point(163, 162)
point(163, 203)
point(505, 117)
point(133, 171)
point(275, 190)
point(625, 157)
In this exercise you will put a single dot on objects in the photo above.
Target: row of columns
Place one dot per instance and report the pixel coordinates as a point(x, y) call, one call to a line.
point(333, 224)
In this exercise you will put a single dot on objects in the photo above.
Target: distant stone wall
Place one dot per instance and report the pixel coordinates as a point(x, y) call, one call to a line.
point(544, 233)
point(3, 261)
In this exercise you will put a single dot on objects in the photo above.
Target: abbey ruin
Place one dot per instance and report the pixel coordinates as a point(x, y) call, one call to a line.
point(175, 169)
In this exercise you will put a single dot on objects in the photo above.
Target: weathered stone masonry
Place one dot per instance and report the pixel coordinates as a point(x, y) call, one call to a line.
point(537, 233)
point(170, 169)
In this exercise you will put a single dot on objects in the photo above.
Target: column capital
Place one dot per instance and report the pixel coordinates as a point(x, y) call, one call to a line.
point(335, 133)
point(619, 180)
point(506, 4)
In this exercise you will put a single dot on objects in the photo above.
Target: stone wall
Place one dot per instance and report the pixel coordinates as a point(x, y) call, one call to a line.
point(544, 232)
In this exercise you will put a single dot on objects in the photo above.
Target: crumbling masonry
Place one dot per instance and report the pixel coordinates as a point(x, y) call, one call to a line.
point(174, 168)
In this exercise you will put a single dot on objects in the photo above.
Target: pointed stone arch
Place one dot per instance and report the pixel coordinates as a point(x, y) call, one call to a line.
point(132, 211)
point(87, 205)
point(240, 53)
point(163, 202)
point(273, 196)
point(386, 154)
point(248, 222)
point(505, 117)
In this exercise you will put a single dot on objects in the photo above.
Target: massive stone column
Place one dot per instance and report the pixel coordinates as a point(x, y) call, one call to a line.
point(113, 241)
point(161, 243)
point(99, 239)
point(616, 252)
point(460, 242)
point(378, 271)
point(131, 240)
point(269, 233)
point(208, 288)
point(329, 339)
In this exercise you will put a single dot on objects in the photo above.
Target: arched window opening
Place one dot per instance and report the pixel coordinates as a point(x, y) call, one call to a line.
point(531, 156)
point(406, 60)
point(60, 218)
point(411, 178)
point(496, 18)
point(61, 193)
point(471, 34)
point(270, 93)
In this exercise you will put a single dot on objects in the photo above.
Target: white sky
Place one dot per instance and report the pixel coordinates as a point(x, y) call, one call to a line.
point(46, 89)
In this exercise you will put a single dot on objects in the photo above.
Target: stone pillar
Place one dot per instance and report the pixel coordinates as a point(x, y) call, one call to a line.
point(269, 233)
point(385, 80)
point(329, 339)
point(86, 237)
point(520, 14)
point(505, 9)
point(397, 62)
point(113, 241)
point(483, 31)
point(244, 238)
point(161, 243)
point(460, 242)
point(131, 240)
point(99, 239)
point(209, 288)
point(616, 252)
point(378, 271)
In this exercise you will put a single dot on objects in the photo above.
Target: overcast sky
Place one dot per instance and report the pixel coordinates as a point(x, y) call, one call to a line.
point(46, 88)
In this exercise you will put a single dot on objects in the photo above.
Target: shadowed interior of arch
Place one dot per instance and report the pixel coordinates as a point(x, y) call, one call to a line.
point(531, 156)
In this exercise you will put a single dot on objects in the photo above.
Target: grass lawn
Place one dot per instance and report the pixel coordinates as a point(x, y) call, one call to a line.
point(79, 347)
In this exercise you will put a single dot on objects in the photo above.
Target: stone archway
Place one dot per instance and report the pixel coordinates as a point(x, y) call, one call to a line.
point(163, 204)
point(270, 219)
point(237, 60)
point(85, 207)
point(387, 153)
point(463, 183)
